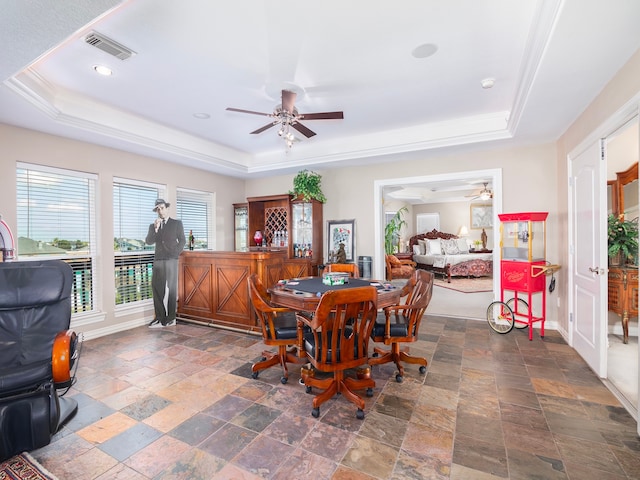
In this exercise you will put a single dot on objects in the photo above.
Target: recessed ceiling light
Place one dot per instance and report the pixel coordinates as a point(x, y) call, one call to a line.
point(103, 70)
point(202, 116)
point(425, 50)
point(488, 82)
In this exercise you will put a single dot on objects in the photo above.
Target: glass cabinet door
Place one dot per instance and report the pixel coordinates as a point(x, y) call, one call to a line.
point(302, 229)
point(241, 214)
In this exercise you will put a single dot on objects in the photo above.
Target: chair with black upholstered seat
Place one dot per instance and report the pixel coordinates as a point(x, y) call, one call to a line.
point(338, 341)
point(400, 324)
point(280, 328)
point(37, 353)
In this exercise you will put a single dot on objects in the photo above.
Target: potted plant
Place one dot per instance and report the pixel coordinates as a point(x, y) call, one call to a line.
point(622, 239)
point(392, 230)
point(306, 185)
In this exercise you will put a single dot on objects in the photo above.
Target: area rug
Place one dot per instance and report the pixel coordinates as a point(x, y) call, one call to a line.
point(467, 285)
point(24, 467)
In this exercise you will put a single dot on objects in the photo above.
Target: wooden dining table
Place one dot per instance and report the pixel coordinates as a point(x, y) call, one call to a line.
point(303, 294)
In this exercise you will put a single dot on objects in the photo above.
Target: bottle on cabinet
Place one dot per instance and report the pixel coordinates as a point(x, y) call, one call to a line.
point(192, 240)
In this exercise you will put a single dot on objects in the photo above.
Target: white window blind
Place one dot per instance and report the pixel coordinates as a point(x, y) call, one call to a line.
point(194, 209)
point(133, 203)
point(56, 219)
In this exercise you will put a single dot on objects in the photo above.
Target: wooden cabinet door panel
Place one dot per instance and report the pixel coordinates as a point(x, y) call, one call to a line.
point(195, 288)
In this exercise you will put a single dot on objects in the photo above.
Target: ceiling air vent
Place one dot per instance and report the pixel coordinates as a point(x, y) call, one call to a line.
point(107, 45)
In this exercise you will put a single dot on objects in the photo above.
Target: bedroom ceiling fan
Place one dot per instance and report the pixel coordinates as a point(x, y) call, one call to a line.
point(484, 194)
point(287, 116)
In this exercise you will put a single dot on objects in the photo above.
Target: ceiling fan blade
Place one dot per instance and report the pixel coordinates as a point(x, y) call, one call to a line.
point(247, 111)
point(303, 130)
point(288, 99)
point(262, 129)
point(322, 116)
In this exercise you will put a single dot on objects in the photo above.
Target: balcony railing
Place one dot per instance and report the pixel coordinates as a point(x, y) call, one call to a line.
point(82, 286)
point(133, 277)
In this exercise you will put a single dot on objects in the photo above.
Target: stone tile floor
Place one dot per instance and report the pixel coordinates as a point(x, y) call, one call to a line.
point(180, 403)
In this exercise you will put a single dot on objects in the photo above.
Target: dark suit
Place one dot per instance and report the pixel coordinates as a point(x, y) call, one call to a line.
point(169, 241)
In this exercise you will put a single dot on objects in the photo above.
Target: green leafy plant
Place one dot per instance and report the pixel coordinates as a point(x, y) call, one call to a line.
point(306, 184)
point(622, 237)
point(392, 230)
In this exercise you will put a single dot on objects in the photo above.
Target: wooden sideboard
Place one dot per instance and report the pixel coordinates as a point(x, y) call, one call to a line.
point(212, 286)
point(623, 295)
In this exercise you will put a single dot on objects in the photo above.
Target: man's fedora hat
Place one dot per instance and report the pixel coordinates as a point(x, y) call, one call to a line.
point(159, 202)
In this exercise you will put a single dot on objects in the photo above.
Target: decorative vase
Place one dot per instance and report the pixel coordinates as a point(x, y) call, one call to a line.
point(615, 260)
point(257, 237)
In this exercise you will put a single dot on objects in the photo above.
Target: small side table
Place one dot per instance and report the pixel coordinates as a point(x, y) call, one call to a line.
point(481, 251)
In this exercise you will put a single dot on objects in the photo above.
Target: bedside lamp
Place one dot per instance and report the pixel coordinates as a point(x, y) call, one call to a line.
point(464, 232)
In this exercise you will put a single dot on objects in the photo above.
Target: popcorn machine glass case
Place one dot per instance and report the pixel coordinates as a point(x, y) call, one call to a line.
point(522, 247)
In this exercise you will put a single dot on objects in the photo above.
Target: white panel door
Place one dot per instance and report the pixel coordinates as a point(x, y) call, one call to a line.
point(589, 260)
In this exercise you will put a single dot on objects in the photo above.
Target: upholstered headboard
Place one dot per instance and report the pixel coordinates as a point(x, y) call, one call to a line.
point(432, 235)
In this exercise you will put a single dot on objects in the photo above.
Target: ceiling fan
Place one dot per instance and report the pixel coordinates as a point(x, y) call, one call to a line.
point(287, 116)
point(484, 194)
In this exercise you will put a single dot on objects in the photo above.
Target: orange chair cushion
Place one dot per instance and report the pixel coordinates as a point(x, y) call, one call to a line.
point(393, 260)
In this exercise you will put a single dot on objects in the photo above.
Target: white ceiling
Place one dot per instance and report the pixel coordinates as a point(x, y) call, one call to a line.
point(549, 59)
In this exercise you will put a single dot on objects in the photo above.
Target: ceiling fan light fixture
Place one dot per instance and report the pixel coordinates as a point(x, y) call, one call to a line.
point(485, 195)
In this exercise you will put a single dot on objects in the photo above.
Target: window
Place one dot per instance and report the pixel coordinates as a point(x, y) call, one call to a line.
point(194, 209)
point(56, 219)
point(133, 203)
point(426, 222)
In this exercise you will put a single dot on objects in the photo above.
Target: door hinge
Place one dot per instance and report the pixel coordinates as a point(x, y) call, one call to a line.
point(571, 317)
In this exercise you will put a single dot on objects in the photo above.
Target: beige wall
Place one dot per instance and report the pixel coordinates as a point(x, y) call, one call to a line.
point(20, 145)
point(455, 215)
point(616, 94)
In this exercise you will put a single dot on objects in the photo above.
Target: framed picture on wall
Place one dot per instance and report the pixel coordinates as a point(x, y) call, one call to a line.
point(342, 231)
point(481, 216)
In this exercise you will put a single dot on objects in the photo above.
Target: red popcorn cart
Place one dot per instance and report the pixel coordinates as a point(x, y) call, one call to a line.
point(523, 273)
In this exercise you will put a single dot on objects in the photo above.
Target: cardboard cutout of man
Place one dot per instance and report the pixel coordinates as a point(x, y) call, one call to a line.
point(168, 236)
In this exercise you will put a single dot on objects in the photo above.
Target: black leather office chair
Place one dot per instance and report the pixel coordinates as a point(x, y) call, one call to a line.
point(37, 353)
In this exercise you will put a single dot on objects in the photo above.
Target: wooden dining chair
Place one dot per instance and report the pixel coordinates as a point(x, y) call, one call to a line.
point(280, 328)
point(339, 340)
point(350, 268)
point(400, 324)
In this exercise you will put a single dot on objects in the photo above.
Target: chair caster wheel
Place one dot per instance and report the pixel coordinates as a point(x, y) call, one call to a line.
point(360, 414)
point(423, 369)
point(399, 378)
point(254, 375)
point(375, 354)
point(284, 380)
point(308, 389)
point(369, 392)
point(263, 359)
point(315, 412)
